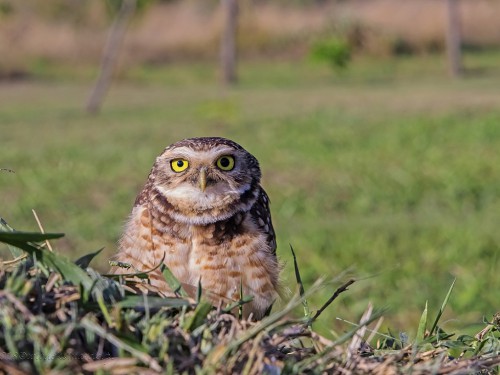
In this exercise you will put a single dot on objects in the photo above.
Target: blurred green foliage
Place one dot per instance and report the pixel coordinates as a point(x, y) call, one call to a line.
point(113, 6)
point(5, 8)
point(333, 50)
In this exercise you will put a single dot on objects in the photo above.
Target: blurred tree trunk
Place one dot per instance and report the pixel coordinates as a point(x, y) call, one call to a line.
point(110, 55)
point(228, 52)
point(453, 38)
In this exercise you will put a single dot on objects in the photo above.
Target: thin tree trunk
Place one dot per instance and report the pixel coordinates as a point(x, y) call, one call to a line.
point(228, 52)
point(453, 38)
point(110, 55)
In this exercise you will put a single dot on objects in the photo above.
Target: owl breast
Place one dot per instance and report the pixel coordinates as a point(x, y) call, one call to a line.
point(225, 257)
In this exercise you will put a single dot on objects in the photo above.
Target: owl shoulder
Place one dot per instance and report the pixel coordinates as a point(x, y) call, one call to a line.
point(261, 215)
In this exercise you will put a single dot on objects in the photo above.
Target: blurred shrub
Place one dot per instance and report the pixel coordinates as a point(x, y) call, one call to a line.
point(401, 46)
point(113, 6)
point(333, 50)
point(5, 8)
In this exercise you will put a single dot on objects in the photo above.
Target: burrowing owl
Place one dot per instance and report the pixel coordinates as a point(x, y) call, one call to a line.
point(204, 212)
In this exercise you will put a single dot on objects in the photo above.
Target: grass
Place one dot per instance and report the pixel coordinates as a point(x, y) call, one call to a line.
point(389, 170)
point(64, 316)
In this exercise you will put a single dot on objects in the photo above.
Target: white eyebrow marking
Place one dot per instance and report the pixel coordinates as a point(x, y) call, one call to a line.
point(189, 153)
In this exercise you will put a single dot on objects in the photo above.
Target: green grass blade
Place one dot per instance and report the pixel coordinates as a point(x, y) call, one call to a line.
point(240, 307)
point(104, 310)
point(4, 227)
point(68, 269)
point(84, 261)
point(8, 234)
point(199, 291)
point(240, 302)
point(146, 307)
point(153, 302)
point(199, 316)
point(28, 236)
point(422, 325)
point(307, 312)
point(10, 341)
point(334, 296)
point(172, 281)
point(443, 306)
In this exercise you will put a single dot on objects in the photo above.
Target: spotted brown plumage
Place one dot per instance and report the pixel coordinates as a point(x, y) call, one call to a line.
point(205, 213)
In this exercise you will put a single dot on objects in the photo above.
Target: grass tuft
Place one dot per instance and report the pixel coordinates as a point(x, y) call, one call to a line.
point(298, 278)
point(57, 315)
point(443, 306)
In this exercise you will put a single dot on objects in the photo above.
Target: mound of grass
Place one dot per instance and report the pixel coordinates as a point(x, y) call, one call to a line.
point(58, 315)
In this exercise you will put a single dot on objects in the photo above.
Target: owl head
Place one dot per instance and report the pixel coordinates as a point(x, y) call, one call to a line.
point(204, 180)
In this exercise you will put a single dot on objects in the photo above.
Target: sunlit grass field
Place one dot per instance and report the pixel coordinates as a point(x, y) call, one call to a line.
point(389, 171)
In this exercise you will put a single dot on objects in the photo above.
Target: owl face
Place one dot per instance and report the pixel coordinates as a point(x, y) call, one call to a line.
point(204, 180)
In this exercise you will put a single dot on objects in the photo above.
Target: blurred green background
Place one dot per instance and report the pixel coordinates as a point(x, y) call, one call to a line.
point(382, 166)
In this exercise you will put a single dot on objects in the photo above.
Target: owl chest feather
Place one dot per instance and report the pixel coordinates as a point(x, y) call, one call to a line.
point(224, 256)
point(218, 254)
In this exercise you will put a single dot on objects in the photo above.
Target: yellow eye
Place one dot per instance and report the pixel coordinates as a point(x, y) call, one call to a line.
point(179, 165)
point(226, 162)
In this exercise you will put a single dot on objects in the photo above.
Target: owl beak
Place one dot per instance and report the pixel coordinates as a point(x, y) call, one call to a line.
point(202, 179)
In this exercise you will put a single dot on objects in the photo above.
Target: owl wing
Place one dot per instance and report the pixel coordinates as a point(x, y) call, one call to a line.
point(262, 217)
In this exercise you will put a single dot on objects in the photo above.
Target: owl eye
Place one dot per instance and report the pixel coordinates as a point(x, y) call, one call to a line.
point(179, 165)
point(226, 163)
